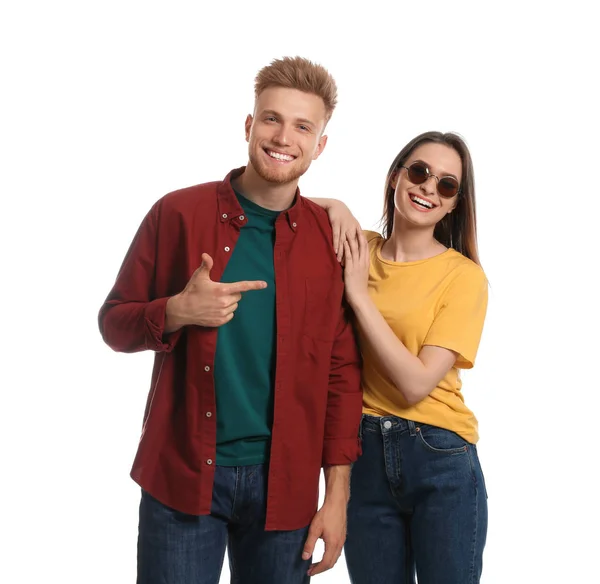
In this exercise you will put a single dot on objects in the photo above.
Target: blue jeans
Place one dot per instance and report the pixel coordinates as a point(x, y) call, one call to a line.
point(176, 548)
point(417, 504)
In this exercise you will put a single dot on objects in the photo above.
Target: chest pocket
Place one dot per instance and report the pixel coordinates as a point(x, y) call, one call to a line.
point(322, 307)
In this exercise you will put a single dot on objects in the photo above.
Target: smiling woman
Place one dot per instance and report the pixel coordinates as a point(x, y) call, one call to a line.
point(437, 168)
point(419, 298)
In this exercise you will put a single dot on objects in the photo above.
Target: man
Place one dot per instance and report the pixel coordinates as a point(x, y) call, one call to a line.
point(256, 386)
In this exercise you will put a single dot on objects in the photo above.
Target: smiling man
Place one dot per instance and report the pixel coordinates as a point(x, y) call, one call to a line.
point(256, 384)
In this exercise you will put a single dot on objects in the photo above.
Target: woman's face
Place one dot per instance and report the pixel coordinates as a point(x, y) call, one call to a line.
point(421, 204)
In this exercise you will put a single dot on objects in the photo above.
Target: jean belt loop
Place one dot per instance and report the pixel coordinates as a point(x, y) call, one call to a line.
point(412, 428)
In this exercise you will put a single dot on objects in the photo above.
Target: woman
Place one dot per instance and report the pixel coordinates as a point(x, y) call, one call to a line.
point(418, 501)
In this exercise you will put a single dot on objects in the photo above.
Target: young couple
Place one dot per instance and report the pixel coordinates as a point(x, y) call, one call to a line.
point(259, 381)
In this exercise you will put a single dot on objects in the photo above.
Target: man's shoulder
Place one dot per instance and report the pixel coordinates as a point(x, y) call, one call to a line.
point(319, 234)
point(317, 212)
point(183, 202)
point(192, 195)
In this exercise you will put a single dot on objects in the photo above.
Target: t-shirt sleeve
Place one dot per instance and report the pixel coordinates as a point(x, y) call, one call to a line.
point(370, 235)
point(459, 322)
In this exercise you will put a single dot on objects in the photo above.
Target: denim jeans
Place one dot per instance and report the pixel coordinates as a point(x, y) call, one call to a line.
point(176, 548)
point(418, 504)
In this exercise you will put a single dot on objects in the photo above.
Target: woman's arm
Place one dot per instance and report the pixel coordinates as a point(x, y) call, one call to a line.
point(414, 376)
point(343, 224)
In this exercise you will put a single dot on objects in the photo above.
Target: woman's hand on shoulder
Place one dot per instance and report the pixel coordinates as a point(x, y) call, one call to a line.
point(344, 225)
point(356, 269)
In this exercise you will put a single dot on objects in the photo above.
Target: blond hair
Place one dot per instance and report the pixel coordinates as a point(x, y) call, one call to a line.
point(302, 74)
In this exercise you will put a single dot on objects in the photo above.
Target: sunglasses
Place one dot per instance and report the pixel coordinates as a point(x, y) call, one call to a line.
point(418, 173)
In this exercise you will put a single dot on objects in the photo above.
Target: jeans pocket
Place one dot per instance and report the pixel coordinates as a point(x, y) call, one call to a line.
point(440, 440)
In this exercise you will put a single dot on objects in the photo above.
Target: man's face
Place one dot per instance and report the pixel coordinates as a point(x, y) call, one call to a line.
point(285, 134)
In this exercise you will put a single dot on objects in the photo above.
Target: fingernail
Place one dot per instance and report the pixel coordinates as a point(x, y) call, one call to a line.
point(305, 556)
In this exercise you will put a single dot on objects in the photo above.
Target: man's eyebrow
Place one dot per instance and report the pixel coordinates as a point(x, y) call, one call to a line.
point(270, 112)
point(305, 121)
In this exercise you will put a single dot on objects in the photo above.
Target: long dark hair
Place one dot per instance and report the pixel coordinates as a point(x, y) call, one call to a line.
point(457, 229)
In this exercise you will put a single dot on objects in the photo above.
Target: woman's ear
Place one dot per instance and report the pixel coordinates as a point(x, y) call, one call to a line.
point(453, 205)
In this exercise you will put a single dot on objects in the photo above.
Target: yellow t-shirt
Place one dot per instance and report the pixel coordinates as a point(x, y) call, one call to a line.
point(439, 301)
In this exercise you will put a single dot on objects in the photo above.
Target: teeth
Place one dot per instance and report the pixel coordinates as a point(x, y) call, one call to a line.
point(421, 201)
point(278, 156)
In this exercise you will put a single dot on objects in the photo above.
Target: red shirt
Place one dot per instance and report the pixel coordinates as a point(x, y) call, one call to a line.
point(318, 401)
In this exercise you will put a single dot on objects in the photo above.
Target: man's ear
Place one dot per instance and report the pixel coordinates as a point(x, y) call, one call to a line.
point(248, 126)
point(320, 146)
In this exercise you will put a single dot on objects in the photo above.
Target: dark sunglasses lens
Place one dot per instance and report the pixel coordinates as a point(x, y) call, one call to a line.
point(447, 187)
point(417, 173)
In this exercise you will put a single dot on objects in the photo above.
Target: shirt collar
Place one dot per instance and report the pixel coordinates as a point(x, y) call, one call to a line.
point(230, 208)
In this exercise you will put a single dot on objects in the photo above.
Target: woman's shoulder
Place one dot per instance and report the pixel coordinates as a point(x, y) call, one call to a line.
point(371, 235)
point(464, 268)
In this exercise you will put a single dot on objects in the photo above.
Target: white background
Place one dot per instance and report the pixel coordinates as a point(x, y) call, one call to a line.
point(107, 106)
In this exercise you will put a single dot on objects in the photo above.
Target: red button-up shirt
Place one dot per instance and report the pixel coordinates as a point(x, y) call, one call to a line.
point(318, 401)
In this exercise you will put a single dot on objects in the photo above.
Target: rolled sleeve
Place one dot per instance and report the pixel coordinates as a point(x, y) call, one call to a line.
point(341, 443)
point(341, 451)
point(154, 315)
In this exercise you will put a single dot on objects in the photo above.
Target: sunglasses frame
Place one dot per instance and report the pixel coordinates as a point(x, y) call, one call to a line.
point(429, 174)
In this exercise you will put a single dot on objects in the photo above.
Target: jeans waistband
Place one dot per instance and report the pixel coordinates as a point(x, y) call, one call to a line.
point(385, 424)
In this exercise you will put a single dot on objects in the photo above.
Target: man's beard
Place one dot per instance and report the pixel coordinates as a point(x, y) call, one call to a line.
point(273, 175)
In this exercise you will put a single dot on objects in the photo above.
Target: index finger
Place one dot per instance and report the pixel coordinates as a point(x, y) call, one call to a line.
point(244, 286)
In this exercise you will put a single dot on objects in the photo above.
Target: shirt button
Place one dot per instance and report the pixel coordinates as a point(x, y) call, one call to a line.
point(209, 461)
point(207, 368)
point(224, 215)
point(241, 217)
point(387, 424)
point(294, 224)
point(227, 248)
point(208, 414)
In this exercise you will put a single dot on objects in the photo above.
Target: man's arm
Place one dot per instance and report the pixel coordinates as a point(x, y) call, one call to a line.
point(344, 400)
point(330, 521)
point(132, 319)
point(337, 484)
point(341, 447)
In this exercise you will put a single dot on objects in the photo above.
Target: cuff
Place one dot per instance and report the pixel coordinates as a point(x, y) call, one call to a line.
point(341, 451)
point(154, 318)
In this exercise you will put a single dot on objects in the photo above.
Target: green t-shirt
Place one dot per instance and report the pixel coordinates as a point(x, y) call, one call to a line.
point(245, 355)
